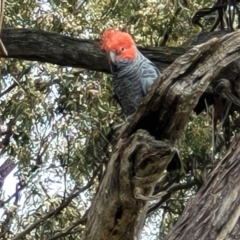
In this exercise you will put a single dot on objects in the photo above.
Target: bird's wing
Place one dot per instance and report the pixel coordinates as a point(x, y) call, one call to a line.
point(149, 74)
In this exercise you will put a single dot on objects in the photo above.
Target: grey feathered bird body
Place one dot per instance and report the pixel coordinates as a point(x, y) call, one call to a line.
point(132, 80)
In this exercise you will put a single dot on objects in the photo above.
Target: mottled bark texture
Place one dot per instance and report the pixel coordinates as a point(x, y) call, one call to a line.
point(146, 142)
point(214, 212)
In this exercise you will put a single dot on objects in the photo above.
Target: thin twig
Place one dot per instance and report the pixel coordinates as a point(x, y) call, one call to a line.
point(59, 209)
point(1, 21)
point(68, 230)
point(175, 187)
point(15, 84)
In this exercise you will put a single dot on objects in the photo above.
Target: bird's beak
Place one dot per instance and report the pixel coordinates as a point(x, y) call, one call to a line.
point(112, 57)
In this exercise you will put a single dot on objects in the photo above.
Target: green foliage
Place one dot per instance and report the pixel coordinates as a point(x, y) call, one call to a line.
point(56, 119)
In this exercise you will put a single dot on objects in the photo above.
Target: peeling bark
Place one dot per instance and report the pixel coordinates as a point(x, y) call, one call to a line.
point(146, 142)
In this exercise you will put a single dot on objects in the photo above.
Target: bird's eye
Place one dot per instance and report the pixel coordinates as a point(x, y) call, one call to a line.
point(122, 49)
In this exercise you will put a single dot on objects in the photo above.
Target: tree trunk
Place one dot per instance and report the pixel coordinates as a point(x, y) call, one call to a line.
point(214, 212)
point(146, 143)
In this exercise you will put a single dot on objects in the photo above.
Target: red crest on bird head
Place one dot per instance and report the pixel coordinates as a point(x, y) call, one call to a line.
point(121, 43)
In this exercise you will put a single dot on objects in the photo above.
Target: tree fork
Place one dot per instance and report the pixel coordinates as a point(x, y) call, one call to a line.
point(118, 205)
point(163, 116)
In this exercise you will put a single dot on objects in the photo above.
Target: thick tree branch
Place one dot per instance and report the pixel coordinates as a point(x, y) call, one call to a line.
point(38, 45)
